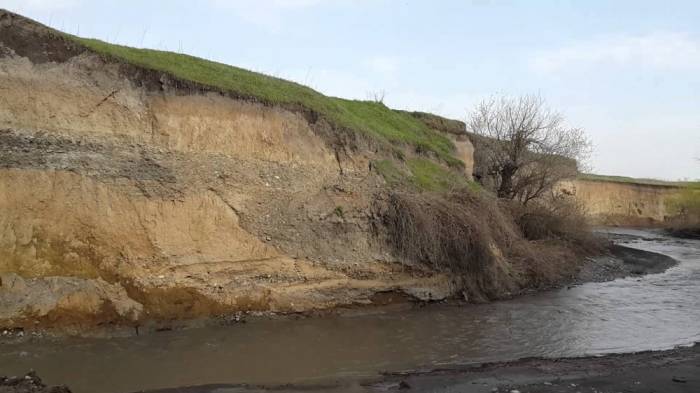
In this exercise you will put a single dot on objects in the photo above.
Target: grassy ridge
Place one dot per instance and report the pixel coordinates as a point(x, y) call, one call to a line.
point(370, 118)
point(631, 180)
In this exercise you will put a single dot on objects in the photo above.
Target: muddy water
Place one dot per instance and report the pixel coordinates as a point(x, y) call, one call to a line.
point(653, 312)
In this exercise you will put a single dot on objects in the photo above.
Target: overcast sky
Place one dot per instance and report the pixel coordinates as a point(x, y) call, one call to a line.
point(628, 72)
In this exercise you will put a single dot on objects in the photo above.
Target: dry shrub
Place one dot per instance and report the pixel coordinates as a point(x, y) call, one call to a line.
point(559, 219)
point(685, 207)
point(460, 232)
point(557, 237)
point(543, 264)
point(493, 248)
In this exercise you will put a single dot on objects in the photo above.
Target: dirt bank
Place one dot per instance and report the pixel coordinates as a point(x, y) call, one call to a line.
point(129, 194)
point(672, 371)
point(622, 203)
point(123, 202)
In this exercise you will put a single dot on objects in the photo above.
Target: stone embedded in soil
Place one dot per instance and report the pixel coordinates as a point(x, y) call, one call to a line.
point(29, 383)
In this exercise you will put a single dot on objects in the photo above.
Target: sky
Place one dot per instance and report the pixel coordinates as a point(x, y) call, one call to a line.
point(627, 72)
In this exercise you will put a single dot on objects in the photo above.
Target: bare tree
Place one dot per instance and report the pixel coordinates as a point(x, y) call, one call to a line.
point(377, 96)
point(525, 147)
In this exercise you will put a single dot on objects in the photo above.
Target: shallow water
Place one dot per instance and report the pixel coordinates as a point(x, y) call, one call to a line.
point(652, 312)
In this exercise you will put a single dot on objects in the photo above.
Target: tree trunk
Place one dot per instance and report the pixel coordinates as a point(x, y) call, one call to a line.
point(505, 190)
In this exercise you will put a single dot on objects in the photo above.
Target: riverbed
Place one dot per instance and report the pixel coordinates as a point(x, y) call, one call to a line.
point(652, 312)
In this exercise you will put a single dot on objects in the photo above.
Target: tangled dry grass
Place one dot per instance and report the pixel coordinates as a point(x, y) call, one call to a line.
point(493, 248)
point(686, 206)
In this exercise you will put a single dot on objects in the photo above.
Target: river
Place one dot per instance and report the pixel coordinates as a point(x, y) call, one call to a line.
point(657, 311)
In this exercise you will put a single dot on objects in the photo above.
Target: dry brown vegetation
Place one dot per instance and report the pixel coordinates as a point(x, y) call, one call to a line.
point(450, 232)
point(686, 209)
point(558, 218)
point(494, 248)
point(513, 234)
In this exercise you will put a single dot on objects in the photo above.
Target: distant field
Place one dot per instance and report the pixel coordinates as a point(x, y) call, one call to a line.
point(632, 180)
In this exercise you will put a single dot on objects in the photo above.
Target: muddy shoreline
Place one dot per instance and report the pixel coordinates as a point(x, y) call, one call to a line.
point(530, 374)
point(619, 262)
point(670, 371)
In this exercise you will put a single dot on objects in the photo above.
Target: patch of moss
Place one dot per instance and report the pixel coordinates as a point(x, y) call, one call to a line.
point(424, 175)
point(393, 175)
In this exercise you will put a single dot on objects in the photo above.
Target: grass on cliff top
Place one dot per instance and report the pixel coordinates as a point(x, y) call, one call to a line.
point(423, 174)
point(367, 117)
point(631, 180)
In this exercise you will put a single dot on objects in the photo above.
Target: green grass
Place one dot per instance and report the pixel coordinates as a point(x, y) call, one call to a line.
point(423, 174)
point(430, 176)
point(393, 175)
point(686, 201)
point(367, 117)
point(632, 180)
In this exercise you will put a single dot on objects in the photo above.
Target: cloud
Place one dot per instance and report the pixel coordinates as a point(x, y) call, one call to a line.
point(661, 50)
point(37, 5)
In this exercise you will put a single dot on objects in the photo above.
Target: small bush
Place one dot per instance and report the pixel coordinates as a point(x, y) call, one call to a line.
point(560, 219)
point(685, 208)
point(493, 248)
point(451, 232)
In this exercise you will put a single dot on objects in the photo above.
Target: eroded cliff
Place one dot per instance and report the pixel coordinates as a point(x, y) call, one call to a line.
point(623, 203)
point(121, 202)
point(128, 193)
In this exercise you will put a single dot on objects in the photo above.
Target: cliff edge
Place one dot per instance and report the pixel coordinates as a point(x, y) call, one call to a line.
point(144, 185)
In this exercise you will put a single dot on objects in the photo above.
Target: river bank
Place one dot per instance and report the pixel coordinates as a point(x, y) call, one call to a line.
point(618, 262)
point(134, 193)
point(671, 371)
point(647, 312)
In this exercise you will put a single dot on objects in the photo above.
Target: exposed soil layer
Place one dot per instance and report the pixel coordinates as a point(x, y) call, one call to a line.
point(125, 202)
point(622, 204)
point(128, 197)
point(621, 262)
